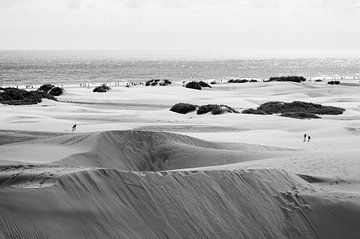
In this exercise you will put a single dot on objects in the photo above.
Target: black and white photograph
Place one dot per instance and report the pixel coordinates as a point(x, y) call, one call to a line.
point(179, 119)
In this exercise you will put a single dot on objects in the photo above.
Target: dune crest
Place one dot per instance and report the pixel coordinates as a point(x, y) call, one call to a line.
point(155, 151)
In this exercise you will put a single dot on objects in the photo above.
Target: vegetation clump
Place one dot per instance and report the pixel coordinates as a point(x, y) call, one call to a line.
point(56, 91)
point(276, 107)
point(297, 79)
point(295, 108)
point(51, 89)
point(101, 88)
point(334, 82)
point(204, 84)
point(14, 96)
point(160, 82)
point(215, 109)
point(152, 82)
point(183, 108)
point(193, 85)
point(165, 82)
point(238, 81)
point(46, 87)
point(253, 111)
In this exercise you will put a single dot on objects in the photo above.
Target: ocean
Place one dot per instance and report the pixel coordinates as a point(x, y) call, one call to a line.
point(74, 67)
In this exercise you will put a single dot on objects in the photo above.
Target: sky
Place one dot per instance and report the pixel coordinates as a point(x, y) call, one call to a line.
point(180, 25)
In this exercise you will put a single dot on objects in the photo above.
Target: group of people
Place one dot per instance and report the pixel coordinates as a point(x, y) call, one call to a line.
point(128, 84)
point(85, 85)
point(307, 138)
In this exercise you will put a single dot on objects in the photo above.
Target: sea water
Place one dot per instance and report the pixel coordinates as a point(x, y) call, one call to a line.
point(75, 67)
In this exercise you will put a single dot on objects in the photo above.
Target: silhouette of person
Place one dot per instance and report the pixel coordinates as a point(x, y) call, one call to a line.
point(305, 137)
point(309, 138)
point(74, 127)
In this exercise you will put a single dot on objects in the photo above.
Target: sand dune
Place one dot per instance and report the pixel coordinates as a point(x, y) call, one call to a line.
point(89, 195)
point(191, 204)
point(150, 151)
point(226, 176)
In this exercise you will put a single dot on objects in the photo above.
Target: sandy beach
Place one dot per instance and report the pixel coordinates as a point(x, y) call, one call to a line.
point(135, 169)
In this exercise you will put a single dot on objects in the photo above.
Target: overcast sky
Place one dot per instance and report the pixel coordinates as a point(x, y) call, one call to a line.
point(179, 24)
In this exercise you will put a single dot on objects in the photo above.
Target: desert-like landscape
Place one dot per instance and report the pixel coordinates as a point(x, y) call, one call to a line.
point(131, 168)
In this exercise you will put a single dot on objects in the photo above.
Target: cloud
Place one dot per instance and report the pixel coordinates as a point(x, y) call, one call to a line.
point(143, 4)
point(132, 4)
point(74, 4)
point(12, 3)
point(342, 5)
point(328, 4)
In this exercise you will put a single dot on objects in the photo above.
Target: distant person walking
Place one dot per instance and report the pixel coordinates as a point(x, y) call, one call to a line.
point(305, 137)
point(74, 127)
point(309, 138)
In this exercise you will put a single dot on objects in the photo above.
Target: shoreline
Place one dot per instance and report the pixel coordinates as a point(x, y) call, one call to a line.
point(123, 82)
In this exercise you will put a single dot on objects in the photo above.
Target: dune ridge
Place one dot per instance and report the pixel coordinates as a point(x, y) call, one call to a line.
point(155, 151)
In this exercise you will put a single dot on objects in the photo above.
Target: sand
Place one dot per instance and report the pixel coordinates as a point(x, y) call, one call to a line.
point(133, 169)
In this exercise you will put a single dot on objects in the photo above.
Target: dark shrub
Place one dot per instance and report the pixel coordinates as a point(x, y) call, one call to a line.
point(14, 96)
point(167, 82)
point(102, 88)
point(223, 109)
point(238, 81)
point(193, 85)
point(334, 82)
point(206, 109)
point(183, 108)
point(213, 83)
point(252, 81)
point(155, 82)
point(253, 111)
point(204, 84)
point(297, 79)
point(300, 115)
point(46, 87)
point(45, 95)
point(56, 91)
point(152, 82)
point(215, 109)
point(297, 107)
point(51, 89)
point(318, 80)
